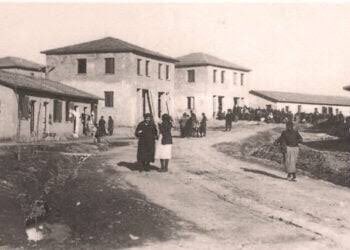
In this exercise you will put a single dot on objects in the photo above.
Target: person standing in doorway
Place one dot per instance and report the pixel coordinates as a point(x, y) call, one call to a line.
point(164, 146)
point(289, 141)
point(147, 134)
point(110, 125)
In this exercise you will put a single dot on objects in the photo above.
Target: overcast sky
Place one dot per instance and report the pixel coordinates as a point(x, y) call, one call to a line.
point(302, 48)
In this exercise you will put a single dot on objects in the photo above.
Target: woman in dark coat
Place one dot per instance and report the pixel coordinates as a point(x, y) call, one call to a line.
point(147, 134)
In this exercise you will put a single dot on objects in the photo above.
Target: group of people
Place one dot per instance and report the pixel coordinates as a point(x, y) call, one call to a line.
point(270, 115)
point(190, 126)
point(97, 130)
point(153, 145)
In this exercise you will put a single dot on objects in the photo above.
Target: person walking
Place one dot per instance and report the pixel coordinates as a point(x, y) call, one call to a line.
point(110, 125)
point(228, 120)
point(183, 120)
point(203, 126)
point(102, 127)
point(289, 141)
point(147, 134)
point(164, 145)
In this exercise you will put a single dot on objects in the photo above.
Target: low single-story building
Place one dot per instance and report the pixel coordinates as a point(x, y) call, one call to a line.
point(22, 66)
point(32, 107)
point(297, 102)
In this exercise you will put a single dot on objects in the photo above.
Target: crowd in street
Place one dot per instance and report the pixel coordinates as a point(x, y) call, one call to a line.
point(279, 116)
point(191, 126)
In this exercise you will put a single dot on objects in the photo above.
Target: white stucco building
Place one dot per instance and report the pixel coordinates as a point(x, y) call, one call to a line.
point(210, 85)
point(132, 80)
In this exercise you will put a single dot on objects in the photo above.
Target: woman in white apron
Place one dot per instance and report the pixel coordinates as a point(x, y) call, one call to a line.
point(164, 145)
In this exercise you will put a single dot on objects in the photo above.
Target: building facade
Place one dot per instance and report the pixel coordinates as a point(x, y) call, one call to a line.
point(131, 80)
point(207, 84)
point(297, 102)
point(33, 108)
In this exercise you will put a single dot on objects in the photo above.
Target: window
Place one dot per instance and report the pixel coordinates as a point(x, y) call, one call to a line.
point(109, 66)
point(139, 66)
point(268, 107)
point(287, 108)
point(190, 102)
point(234, 78)
point(147, 68)
point(222, 76)
point(214, 75)
point(167, 72)
point(191, 75)
point(81, 66)
point(57, 111)
point(242, 79)
point(109, 99)
point(160, 71)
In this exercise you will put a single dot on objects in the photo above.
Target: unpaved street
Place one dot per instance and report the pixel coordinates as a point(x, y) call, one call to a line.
point(238, 205)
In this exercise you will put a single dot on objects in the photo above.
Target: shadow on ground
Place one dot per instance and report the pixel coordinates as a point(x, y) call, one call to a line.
point(135, 166)
point(261, 172)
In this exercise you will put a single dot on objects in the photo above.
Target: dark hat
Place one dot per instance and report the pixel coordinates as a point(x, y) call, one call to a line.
point(147, 115)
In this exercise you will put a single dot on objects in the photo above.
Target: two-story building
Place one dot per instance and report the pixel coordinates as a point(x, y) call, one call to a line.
point(132, 80)
point(210, 85)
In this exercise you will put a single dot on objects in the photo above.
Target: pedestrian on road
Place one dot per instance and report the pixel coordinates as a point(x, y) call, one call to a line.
point(203, 126)
point(164, 145)
point(289, 141)
point(228, 120)
point(110, 125)
point(183, 121)
point(102, 127)
point(147, 134)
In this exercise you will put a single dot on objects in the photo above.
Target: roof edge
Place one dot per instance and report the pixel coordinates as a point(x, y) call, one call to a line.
point(210, 64)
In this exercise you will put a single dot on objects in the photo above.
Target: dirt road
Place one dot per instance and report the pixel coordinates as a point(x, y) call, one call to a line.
point(239, 205)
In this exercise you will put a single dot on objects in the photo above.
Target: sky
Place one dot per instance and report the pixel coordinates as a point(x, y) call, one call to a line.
point(289, 47)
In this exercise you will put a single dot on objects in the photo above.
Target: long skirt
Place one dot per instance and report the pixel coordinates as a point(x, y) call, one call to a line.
point(291, 158)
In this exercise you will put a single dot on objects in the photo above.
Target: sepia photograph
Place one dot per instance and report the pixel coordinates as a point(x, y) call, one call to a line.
point(181, 125)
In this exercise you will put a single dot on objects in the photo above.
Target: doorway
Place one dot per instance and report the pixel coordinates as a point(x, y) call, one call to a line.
point(32, 117)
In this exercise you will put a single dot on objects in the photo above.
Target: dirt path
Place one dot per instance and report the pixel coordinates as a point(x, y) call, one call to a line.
point(240, 205)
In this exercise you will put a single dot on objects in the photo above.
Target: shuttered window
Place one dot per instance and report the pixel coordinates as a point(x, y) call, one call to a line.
point(191, 75)
point(81, 66)
point(57, 111)
point(109, 65)
point(167, 76)
point(160, 70)
point(190, 102)
point(222, 76)
point(109, 98)
point(139, 66)
point(147, 68)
